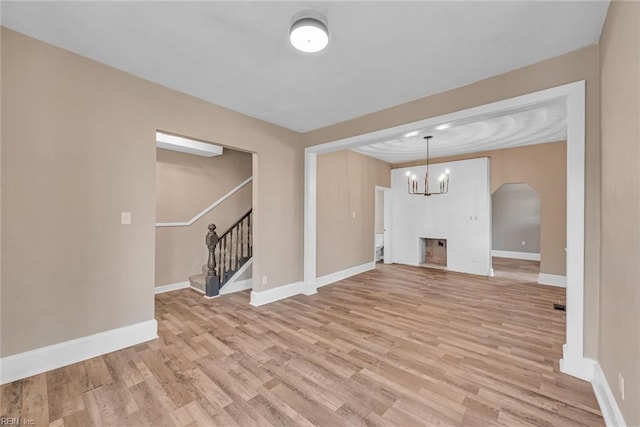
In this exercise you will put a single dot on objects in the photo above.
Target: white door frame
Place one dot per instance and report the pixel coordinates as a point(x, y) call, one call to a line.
point(573, 361)
point(386, 191)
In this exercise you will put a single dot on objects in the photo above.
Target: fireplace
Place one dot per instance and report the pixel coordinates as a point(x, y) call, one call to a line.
point(433, 253)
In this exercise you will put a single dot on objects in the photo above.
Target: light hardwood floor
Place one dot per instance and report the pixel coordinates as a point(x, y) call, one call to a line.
point(395, 346)
point(517, 269)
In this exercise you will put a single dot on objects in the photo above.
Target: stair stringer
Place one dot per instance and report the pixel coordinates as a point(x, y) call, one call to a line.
point(234, 285)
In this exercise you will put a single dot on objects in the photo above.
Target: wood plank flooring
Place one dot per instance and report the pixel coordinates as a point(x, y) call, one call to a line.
point(517, 269)
point(398, 346)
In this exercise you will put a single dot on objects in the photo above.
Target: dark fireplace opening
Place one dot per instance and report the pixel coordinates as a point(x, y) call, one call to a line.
point(433, 253)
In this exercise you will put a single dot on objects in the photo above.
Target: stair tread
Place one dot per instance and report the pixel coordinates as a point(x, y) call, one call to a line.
point(197, 281)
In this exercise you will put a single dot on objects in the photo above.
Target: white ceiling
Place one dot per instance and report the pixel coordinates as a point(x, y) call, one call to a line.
point(534, 124)
point(380, 54)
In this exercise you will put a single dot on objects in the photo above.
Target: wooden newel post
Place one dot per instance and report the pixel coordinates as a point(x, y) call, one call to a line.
point(212, 283)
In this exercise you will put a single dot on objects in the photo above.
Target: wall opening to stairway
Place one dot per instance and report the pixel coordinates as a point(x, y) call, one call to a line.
point(193, 191)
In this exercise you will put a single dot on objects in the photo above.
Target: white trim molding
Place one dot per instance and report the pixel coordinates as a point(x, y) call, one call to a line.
point(576, 365)
point(310, 218)
point(187, 145)
point(33, 362)
point(236, 286)
point(529, 256)
point(207, 209)
point(171, 287)
point(607, 402)
point(200, 291)
point(344, 274)
point(267, 296)
point(259, 298)
point(552, 280)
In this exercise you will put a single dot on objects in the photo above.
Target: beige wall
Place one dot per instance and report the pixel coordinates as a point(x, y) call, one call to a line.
point(78, 149)
point(582, 64)
point(185, 185)
point(346, 185)
point(619, 350)
point(544, 168)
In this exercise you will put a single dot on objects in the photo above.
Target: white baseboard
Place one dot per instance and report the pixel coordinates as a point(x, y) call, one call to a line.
point(171, 287)
point(577, 366)
point(552, 280)
point(259, 298)
point(309, 288)
point(608, 405)
point(516, 255)
point(200, 291)
point(237, 286)
point(33, 362)
point(344, 274)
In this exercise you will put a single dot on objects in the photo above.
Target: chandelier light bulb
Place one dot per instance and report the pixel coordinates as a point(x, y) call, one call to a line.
point(413, 177)
point(447, 171)
point(408, 173)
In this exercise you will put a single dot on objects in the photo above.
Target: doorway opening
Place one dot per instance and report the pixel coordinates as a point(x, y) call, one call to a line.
point(204, 216)
point(572, 95)
point(515, 232)
point(382, 223)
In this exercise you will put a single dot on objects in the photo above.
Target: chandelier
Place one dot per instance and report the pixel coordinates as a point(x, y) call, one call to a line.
point(412, 181)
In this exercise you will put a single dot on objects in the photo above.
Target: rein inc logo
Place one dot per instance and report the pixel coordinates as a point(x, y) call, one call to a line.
point(16, 421)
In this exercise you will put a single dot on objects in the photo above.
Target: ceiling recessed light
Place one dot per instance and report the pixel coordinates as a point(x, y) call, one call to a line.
point(410, 134)
point(309, 31)
point(443, 126)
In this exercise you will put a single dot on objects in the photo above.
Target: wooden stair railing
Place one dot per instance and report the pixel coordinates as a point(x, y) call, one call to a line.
point(228, 252)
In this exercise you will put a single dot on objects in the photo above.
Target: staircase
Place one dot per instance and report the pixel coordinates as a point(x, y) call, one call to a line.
point(227, 254)
point(198, 281)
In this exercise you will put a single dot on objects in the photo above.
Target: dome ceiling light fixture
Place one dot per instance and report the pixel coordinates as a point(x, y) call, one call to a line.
point(309, 31)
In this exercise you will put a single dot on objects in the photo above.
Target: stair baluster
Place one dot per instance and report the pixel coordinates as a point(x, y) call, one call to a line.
point(237, 245)
point(250, 239)
point(234, 248)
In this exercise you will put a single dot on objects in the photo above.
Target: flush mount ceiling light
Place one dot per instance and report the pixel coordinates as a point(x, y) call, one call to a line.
point(309, 31)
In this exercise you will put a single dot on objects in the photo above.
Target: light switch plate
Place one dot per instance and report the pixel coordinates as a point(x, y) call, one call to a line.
point(125, 218)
